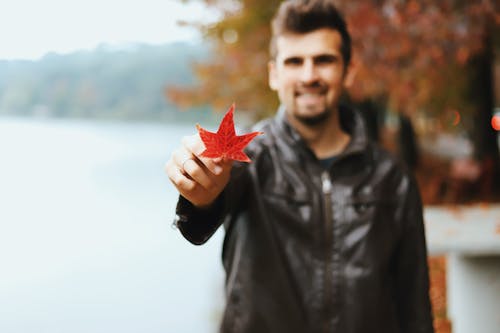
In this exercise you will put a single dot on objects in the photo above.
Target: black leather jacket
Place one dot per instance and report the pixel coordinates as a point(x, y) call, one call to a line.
point(314, 250)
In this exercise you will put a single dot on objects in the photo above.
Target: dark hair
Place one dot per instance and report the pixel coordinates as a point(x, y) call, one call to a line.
point(303, 16)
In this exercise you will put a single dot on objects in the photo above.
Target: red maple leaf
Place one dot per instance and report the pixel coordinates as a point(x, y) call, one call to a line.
point(225, 143)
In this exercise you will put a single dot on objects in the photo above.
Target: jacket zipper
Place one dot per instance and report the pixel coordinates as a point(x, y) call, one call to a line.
point(326, 184)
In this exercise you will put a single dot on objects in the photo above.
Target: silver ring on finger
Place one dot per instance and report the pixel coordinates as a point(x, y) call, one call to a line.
point(183, 164)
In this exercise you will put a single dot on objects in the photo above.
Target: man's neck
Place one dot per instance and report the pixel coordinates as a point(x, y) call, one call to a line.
point(326, 139)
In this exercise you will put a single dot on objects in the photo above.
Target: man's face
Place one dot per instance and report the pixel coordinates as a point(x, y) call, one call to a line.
point(309, 74)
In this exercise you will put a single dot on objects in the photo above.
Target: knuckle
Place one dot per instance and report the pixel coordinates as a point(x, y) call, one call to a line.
point(190, 167)
point(194, 170)
point(188, 186)
point(183, 184)
point(176, 180)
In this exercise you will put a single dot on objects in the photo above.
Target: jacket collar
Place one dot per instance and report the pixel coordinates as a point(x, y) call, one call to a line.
point(350, 120)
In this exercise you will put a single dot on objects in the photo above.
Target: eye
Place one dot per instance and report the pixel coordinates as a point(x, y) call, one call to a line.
point(293, 61)
point(326, 59)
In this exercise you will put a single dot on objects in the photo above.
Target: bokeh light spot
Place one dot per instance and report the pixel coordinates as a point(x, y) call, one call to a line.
point(495, 122)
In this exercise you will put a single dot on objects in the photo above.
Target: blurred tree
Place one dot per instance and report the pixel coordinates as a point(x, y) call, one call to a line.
point(434, 56)
point(418, 55)
point(237, 71)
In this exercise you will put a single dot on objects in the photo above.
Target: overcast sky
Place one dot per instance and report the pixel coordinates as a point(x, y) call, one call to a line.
point(31, 28)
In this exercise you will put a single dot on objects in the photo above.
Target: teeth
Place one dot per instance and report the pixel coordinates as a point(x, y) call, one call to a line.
point(310, 94)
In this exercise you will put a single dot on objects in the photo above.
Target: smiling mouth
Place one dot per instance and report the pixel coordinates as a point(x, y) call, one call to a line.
point(309, 94)
point(311, 91)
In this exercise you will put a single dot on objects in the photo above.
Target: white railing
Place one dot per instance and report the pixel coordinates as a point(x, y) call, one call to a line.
point(470, 237)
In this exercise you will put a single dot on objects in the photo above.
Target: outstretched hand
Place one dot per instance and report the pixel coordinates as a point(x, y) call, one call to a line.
point(198, 179)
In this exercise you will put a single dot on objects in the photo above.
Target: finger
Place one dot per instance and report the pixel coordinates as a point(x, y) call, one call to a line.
point(193, 168)
point(181, 155)
point(194, 144)
point(178, 178)
point(199, 173)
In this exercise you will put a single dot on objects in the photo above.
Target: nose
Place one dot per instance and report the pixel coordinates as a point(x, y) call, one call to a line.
point(309, 72)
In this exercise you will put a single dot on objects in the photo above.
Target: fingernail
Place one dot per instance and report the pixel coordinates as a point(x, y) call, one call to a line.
point(217, 170)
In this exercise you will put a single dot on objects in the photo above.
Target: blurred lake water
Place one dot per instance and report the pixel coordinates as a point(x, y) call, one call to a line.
point(86, 243)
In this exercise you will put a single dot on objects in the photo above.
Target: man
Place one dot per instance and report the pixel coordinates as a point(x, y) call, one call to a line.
point(324, 230)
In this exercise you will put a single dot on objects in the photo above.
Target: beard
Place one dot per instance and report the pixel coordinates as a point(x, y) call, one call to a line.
point(307, 114)
point(313, 121)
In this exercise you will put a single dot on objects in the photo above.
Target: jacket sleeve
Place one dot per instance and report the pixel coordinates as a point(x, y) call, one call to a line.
point(411, 269)
point(198, 225)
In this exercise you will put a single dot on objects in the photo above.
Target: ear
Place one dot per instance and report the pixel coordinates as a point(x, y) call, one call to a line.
point(350, 74)
point(273, 75)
